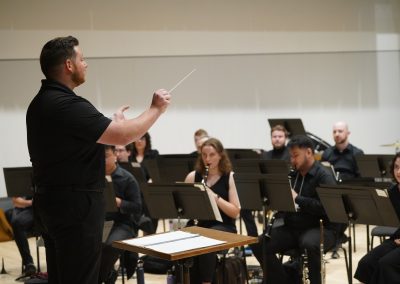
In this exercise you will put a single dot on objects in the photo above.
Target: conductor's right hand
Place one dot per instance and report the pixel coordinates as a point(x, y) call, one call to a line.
point(161, 100)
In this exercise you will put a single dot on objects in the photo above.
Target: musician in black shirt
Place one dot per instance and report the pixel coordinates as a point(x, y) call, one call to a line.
point(381, 265)
point(126, 219)
point(301, 229)
point(65, 133)
point(342, 155)
point(279, 150)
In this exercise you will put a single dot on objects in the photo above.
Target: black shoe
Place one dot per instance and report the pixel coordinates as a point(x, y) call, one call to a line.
point(29, 269)
point(335, 255)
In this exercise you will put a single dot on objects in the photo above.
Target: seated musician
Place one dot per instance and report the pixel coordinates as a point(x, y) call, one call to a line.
point(382, 264)
point(342, 157)
point(21, 219)
point(220, 180)
point(125, 220)
point(301, 230)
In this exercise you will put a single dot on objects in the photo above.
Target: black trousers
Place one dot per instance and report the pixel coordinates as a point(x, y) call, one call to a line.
point(21, 221)
point(72, 224)
point(110, 255)
point(284, 239)
point(381, 265)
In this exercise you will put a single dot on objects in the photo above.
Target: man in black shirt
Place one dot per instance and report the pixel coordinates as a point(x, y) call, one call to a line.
point(278, 140)
point(129, 205)
point(65, 133)
point(342, 155)
point(300, 229)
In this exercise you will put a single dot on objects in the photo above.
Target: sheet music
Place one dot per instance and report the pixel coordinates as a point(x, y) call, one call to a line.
point(186, 244)
point(172, 242)
point(160, 238)
point(213, 203)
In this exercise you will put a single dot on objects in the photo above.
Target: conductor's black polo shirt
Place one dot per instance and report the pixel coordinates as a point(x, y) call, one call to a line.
point(62, 130)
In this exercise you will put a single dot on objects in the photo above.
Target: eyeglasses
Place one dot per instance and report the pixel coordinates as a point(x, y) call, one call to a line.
point(120, 150)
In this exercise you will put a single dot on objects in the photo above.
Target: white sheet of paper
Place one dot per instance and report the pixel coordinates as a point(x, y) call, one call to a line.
point(160, 238)
point(185, 244)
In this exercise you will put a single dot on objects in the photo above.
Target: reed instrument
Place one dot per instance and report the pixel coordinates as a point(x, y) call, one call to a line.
point(322, 253)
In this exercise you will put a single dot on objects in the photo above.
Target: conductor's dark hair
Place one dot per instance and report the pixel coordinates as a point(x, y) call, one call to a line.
point(301, 141)
point(55, 52)
point(392, 165)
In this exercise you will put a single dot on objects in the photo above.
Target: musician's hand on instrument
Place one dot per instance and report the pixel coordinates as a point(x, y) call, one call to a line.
point(397, 242)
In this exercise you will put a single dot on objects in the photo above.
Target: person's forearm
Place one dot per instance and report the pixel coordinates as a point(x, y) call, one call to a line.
point(21, 202)
point(127, 131)
point(228, 208)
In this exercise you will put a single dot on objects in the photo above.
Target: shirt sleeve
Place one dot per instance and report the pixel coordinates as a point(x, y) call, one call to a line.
point(81, 118)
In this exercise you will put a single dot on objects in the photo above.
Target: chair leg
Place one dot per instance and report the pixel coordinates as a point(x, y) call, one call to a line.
point(347, 264)
point(372, 242)
point(354, 237)
point(37, 254)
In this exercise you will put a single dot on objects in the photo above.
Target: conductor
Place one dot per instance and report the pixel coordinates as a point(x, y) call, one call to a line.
point(65, 135)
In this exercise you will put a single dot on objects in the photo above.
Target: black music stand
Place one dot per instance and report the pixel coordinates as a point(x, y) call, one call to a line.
point(19, 181)
point(293, 125)
point(262, 166)
point(274, 167)
point(368, 166)
point(235, 154)
point(170, 168)
point(262, 192)
point(109, 196)
point(359, 205)
point(135, 169)
point(181, 200)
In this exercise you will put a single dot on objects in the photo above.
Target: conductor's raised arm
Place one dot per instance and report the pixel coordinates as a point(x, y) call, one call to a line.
point(123, 131)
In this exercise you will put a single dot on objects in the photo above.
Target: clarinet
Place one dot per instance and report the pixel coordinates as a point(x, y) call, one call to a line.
point(305, 272)
point(204, 181)
point(321, 246)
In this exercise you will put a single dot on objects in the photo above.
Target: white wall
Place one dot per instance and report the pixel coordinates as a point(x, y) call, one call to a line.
point(320, 61)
